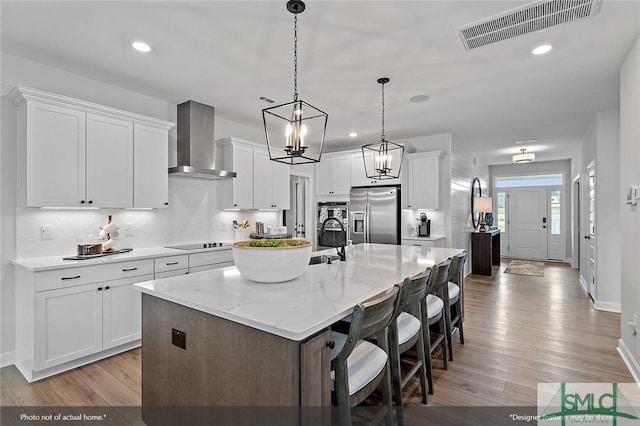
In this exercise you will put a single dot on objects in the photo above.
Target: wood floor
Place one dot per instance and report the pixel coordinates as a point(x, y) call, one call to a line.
point(519, 331)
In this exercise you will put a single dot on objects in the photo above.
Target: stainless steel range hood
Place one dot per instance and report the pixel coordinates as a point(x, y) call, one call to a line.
point(195, 143)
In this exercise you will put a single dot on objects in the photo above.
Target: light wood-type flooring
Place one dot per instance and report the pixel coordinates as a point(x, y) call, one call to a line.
point(519, 331)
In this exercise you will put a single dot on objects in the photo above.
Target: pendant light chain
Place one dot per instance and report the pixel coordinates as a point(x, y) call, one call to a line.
point(295, 57)
point(382, 135)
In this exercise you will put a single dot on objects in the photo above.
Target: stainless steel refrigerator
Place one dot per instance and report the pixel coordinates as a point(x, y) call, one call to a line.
point(375, 215)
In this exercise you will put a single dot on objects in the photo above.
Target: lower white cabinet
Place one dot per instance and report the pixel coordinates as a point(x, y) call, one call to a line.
point(74, 322)
point(68, 324)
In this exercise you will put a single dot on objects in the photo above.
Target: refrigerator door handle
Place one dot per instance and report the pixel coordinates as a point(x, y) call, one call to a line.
point(367, 237)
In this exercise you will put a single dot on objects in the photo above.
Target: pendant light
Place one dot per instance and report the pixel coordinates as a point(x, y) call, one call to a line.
point(524, 157)
point(295, 131)
point(382, 158)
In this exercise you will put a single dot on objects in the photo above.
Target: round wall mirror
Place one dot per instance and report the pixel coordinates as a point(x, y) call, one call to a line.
point(476, 192)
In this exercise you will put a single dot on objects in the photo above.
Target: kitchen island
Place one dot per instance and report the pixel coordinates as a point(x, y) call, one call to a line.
point(217, 339)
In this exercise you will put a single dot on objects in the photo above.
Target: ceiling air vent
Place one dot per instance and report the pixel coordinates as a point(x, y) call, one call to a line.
point(526, 19)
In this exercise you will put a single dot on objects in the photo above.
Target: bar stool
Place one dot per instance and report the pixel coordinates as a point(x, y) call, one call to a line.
point(407, 332)
point(437, 314)
point(359, 366)
point(456, 298)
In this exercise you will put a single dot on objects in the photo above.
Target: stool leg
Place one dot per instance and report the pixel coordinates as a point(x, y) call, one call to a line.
point(396, 373)
point(423, 360)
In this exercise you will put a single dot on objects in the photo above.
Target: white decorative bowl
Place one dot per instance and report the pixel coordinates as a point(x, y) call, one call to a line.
point(271, 264)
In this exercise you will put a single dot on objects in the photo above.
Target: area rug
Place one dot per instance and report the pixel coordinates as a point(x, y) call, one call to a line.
point(525, 267)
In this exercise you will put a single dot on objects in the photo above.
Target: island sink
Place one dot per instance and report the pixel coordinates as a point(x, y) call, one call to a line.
point(323, 258)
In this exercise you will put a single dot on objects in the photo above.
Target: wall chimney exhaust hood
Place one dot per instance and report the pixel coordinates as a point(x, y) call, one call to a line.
point(195, 143)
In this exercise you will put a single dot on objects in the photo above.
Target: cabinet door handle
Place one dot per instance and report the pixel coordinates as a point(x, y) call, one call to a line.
point(106, 288)
point(331, 344)
point(172, 263)
point(129, 269)
point(99, 288)
point(81, 201)
point(90, 201)
point(166, 204)
point(70, 278)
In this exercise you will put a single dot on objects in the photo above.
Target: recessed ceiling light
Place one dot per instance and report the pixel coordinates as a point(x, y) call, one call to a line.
point(419, 98)
point(141, 46)
point(353, 134)
point(542, 49)
point(525, 141)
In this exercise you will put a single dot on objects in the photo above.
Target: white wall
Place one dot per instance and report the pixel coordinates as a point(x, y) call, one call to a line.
point(630, 216)
point(608, 211)
point(464, 168)
point(192, 215)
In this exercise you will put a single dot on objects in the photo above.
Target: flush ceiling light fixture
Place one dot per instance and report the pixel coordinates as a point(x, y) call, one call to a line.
point(141, 46)
point(382, 158)
point(295, 131)
point(524, 157)
point(542, 49)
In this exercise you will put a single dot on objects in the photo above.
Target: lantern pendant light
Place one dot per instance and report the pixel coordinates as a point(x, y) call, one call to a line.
point(295, 131)
point(382, 158)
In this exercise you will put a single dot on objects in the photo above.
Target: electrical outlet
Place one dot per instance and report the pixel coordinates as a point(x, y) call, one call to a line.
point(179, 338)
point(128, 229)
point(224, 226)
point(46, 232)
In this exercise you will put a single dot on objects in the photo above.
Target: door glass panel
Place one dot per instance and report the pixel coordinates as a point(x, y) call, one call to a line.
point(555, 212)
point(533, 180)
point(502, 212)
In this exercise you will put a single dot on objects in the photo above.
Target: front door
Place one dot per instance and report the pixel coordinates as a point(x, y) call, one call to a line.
point(527, 210)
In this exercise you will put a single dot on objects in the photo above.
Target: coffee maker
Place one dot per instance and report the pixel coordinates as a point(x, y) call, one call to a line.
point(424, 228)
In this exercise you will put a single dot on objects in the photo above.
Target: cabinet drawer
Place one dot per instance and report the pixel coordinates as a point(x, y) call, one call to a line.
point(69, 277)
point(210, 258)
point(193, 269)
point(168, 274)
point(171, 263)
point(418, 243)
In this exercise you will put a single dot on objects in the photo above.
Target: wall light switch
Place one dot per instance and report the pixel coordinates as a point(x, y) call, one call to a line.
point(46, 232)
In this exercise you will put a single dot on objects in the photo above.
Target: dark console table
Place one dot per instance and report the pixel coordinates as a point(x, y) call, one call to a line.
point(485, 251)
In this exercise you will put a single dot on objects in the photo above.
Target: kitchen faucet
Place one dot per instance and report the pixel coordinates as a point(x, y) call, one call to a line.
point(341, 251)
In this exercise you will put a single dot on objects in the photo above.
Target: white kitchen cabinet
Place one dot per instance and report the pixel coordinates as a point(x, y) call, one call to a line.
point(270, 182)
point(73, 153)
point(236, 193)
point(207, 260)
point(109, 166)
point(71, 316)
point(333, 175)
point(422, 186)
point(121, 312)
point(359, 174)
point(150, 160)
point(260, 183)
point(68, 324)
point(52, 147)
point(431, 242)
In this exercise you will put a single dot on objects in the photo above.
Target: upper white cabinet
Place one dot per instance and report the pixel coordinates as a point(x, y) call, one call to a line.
point(422, 186)
point(150, 159)
point(73, 153)
point(260, 183)
point(359, 174)
point(109, 166)
point(333, 175)
point(270, 182)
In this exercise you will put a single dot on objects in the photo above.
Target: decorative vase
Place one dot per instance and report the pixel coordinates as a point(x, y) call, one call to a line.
point(488, 219)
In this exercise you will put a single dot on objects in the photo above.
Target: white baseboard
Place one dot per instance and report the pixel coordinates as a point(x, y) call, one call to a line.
point(7, 358)
point(607, 306)
point(584, 284)
point(629, 360)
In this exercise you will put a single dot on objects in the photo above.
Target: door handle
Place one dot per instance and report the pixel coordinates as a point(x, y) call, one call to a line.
point(544, 226)
point(587, 237)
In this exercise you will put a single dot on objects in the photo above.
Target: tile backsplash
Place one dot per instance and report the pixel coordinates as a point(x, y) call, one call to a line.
point(192, 216)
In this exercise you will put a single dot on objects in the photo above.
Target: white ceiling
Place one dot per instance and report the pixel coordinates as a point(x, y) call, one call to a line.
point(229, 53)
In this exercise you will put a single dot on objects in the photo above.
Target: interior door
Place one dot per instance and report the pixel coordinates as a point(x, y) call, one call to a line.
point(591, 230)
point(528, 222)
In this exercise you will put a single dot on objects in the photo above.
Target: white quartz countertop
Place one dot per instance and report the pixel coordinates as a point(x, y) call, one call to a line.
point(298, 308)
point(430, 238)
point(56, 262)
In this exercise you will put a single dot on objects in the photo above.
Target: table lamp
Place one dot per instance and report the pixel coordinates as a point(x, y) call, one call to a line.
point(482, 205)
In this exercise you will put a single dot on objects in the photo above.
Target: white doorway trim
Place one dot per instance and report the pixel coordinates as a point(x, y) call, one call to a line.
point(575, 222)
